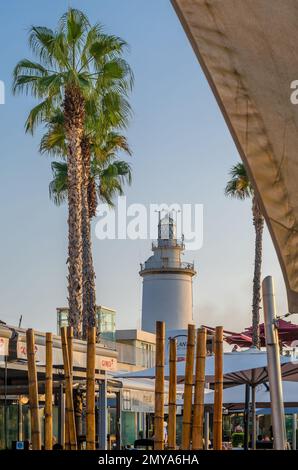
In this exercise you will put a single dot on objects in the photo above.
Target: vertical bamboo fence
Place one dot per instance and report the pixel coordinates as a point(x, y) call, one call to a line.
point(90, 411)
point(159, 386)
point(49, 393)
point(33, 391)
point(68, 385)
point(70, 356)
point(218, 389)
point(172, 395)
point(198, 409)
point(188, 385)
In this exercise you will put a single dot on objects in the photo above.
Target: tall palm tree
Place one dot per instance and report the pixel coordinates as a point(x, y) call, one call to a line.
point(239, 186)
point(74, 61)
point(107, 179)
point(98, 140)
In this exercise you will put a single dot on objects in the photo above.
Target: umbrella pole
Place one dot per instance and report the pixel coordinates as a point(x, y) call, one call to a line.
point(172, 395)
point(206, 430)
point(159, 386)
point(253, 417)
point(294, 431)
point(188, 384)
point(218, 389)
point(274, 370)
point(246, 416)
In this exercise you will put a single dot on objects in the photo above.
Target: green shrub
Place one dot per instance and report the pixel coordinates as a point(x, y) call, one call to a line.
point(238, 439)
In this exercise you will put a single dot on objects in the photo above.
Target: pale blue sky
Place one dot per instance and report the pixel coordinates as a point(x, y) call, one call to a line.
point(182, 152)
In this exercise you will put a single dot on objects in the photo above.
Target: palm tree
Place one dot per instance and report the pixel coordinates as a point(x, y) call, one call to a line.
point(240, 187)
point(100, 142)
point(74, 61)
point(107, 181)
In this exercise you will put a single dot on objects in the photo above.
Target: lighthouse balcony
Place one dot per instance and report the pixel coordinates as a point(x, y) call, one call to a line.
point(167, 266)
point(168, 243)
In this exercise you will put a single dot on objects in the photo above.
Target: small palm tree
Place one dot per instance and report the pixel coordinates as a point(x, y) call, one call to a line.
point(239, 187)
point(75, 61)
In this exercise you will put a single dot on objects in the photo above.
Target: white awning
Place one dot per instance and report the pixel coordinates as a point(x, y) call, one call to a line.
point(248, 50)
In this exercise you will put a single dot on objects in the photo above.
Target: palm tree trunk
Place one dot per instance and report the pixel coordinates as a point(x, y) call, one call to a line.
point(74, 126)
point(89, 298)
point(258, 221)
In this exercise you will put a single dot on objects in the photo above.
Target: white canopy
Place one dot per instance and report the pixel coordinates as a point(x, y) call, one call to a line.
point(248, 50)
point(234, 396)
point(238, 368)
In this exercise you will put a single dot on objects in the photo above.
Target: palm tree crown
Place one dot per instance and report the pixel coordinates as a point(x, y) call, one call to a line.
point(239, 186)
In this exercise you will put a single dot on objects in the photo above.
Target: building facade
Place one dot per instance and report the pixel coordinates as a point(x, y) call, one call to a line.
point(105, 321)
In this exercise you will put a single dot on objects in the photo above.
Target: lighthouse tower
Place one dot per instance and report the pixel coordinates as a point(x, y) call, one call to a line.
point(167, 282)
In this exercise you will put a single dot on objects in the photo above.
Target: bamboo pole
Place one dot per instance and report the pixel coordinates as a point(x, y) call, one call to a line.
point(33, 391)
point(159, 386)
point(90, 411)
point(218, 389)
point(68, 386)
point(172, 395)
point(49, 393)
point(198, 409)
point(70, 355)
point(188, 384)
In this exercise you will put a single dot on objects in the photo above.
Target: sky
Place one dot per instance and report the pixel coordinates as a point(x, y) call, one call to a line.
point(182, 153)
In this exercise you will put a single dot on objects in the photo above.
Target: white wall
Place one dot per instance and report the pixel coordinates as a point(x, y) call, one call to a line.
point(167, 297)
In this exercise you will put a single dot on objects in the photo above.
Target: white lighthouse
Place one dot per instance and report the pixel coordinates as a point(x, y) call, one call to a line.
point(167, 282)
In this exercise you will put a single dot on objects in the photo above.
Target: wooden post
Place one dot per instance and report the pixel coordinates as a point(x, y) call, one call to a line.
point(218, 389)
point(68, 386)
point(198, 409)
point(33, 391)
point(70, 356)
point(90, 408)
point(159, 386)
point(172, 395)
point(49, 393)
point(188, 384)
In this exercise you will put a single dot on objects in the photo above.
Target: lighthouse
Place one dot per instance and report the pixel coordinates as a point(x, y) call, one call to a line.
point(167, 281)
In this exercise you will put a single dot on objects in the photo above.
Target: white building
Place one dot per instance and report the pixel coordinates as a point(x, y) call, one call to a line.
point(167, 282)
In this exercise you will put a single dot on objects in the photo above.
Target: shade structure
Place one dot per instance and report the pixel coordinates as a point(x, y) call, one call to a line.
point(233, 397)
point(250, 367)
point(245, 367)
point(248, 52)
point(287, 334)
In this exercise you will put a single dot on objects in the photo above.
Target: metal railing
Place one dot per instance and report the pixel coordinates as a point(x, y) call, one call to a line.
point(166, 242)
point(167, 265)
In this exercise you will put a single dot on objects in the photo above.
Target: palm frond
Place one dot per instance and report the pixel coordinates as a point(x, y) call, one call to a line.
point(239, 185)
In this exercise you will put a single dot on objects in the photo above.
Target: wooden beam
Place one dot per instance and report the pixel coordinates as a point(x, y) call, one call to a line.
point(70, 355)
point(159, 386)
point(188, 386)
point(172, 395)
point(90, 406)
point(33, 391)
point(198, 408)
point(68, 392)
point(49, 393)
point(218, 389)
